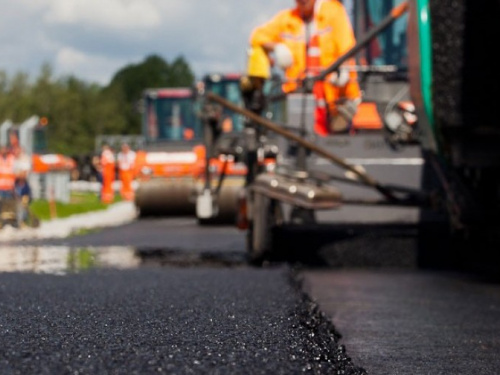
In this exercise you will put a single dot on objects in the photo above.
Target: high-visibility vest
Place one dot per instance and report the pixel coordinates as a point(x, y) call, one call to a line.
point(107, 158)
point(334, 34)
point(108, 175)
point(313, 69)
point(126, 164)
point(7, 173)
point(126, 160)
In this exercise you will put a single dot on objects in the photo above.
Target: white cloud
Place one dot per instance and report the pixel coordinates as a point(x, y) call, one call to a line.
point(108, 14)
point(93, 39)
point(88, 67)
point(68, 58)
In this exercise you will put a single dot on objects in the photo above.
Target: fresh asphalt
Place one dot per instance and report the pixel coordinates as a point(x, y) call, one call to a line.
point(182, 299)
point(163, 320)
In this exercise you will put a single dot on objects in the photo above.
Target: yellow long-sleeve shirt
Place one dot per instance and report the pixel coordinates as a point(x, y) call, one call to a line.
point(335, 36)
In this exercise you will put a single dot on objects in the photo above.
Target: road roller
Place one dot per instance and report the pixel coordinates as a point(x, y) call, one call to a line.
point(174, 167)
point(170, 161)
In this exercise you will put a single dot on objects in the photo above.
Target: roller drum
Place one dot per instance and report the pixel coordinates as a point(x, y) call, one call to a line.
point(227, 201)
point(165, 197)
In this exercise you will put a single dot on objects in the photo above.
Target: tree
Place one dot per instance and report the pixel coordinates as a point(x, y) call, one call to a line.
point(153, 72)
point(180, 74)
point(77, 111)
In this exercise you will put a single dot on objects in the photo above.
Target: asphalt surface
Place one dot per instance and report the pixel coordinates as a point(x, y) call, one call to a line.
point(180, 233)
point(164, 320)
point(369, 305)
point(402, 322)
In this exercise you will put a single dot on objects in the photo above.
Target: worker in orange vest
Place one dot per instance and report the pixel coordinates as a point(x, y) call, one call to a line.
point(126, 168)
point(324, 27)
point(7, 176)
point(108, 166)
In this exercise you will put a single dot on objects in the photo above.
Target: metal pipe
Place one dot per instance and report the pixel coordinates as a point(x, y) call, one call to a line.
point(364, 177)
point(396, 12)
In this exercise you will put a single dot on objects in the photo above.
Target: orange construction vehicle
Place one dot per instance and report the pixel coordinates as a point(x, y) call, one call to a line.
point(167, 165)
point(172, 166)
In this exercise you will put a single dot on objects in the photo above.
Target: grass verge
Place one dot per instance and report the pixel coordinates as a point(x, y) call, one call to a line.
point(79, 203)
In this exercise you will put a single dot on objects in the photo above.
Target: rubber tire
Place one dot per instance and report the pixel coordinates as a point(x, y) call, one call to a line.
point(266, 215)
point(302, 216)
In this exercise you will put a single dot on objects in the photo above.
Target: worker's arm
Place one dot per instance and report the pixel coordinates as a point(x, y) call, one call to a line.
point(344, 40)
point(344, 34)
point(269, 37)
point(268, 34)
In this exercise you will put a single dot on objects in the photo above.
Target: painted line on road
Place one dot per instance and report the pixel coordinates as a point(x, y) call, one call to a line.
point(377, 161)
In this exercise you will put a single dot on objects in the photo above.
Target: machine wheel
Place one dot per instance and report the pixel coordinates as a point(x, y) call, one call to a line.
point(302, 216)
point(267, 214)
point(207, 222)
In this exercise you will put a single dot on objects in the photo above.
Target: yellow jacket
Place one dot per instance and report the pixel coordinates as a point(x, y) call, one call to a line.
point(335, 38)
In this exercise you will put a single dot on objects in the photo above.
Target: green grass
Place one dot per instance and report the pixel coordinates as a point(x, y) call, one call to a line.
point(80, 202)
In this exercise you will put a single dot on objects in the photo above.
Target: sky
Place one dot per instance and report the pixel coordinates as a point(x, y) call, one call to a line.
point(93, 39)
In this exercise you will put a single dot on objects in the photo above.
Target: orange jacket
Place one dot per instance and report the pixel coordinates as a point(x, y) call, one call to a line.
point(108, 164)
point(7, 173)
point(336, 37)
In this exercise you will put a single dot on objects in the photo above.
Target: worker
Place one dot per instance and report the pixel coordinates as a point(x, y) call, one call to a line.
point(126, 168)
point(323, 28)
point(22, 168)
point(7, 177)
point(22, 162)
point(108, 166)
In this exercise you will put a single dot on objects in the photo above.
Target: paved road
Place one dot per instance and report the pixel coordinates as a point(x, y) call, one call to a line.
point(149, 306)
point(402, 322)
point(162, 320)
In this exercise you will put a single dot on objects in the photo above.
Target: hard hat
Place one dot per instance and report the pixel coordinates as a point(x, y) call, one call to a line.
point(283, 55)
point(258, 64)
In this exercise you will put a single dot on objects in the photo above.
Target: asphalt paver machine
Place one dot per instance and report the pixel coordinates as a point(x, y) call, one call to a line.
point(448, 123)
point(294, 175)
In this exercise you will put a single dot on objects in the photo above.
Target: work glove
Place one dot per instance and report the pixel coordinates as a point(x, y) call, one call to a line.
point(340, 78)
point(346, 110)
point(282, 56)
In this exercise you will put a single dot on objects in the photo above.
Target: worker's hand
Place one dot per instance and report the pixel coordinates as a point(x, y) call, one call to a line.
point(349, 108)
point(340, 78)
point(346, 111)
point(283, 56)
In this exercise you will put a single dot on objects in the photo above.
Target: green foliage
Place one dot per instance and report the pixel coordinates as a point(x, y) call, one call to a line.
point(129, 83)
point(78, 111)
point(80, 202)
